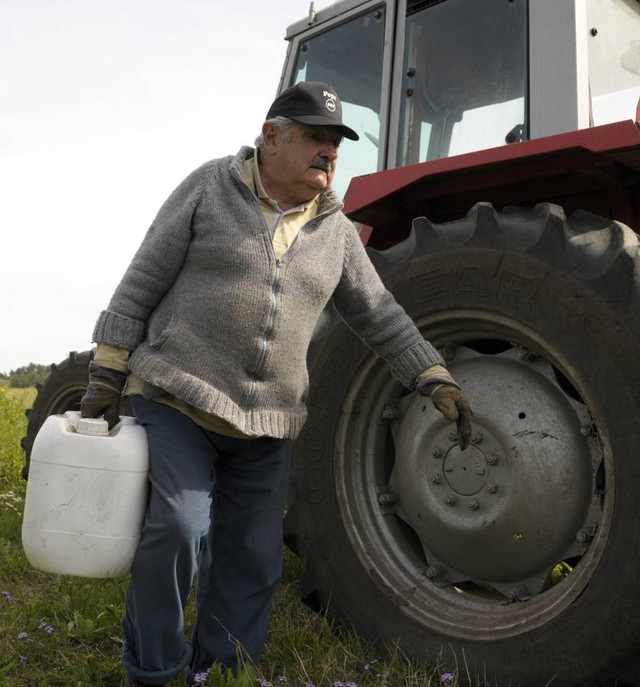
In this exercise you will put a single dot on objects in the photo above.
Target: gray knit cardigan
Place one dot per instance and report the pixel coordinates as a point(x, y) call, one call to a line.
point(212, 317)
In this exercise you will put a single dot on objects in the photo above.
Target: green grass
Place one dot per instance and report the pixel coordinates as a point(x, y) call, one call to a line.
point(59, 631)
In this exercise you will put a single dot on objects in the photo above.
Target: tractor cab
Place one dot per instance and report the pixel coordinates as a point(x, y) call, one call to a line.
point(427, 79)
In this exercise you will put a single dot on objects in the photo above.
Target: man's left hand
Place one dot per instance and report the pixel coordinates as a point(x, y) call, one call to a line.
point(447, 397)
point(455, 406)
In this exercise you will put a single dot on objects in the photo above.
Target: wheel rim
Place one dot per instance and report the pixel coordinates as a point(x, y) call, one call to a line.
point(458, 534)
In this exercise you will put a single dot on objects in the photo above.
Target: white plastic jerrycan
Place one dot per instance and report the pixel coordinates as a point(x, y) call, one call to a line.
point(86, 496)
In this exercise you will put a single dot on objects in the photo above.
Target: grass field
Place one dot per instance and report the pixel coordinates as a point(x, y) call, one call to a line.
point(59, 631)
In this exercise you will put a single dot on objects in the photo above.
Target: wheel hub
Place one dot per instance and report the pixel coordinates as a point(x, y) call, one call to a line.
point(510, 506)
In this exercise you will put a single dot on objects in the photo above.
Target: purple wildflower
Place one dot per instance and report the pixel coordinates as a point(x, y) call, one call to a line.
point(23, 635)
point(263, 683)
point(23, 660)
point(446, 677)
point(6, 595)
point(282, 679)
point(42, 625)
point(201, 678)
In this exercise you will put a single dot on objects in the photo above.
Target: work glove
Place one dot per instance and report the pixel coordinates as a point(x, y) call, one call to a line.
point(445, 393)
point(103, 394)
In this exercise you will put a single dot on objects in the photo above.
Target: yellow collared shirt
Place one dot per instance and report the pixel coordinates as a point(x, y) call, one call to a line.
point(283, 225)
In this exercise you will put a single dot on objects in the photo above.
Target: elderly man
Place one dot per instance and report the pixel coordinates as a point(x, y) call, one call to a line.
point(209, 330)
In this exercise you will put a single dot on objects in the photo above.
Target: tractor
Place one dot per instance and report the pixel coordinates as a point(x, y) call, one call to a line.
point(496, 185)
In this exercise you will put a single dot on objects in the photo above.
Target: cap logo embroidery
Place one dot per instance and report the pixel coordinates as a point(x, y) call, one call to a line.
point(330, 103)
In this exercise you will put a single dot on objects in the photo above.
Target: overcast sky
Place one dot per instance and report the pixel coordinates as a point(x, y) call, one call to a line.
point(105, 106)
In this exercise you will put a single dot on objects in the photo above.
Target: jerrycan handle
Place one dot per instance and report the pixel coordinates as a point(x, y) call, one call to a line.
point(94, 427)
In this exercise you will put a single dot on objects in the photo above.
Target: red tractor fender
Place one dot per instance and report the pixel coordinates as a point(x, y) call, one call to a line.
point(596, 169)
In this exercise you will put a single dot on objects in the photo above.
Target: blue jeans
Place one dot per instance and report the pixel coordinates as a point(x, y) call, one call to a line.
point(215, 509)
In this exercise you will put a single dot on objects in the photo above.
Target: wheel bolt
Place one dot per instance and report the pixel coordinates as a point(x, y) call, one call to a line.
point(476, 438)
point(435, 479)
point(453, 436)
point(524, 354)
point(436, 452)
point(430, 572)
point(492, 487)
point(450, 500)
point(493, 459)
point(387, 499)
point(448, 352)
point(583, 536)
point(390, 415)
point(473, 504)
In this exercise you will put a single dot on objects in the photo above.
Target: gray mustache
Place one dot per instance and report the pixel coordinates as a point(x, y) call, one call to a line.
point(321, 164)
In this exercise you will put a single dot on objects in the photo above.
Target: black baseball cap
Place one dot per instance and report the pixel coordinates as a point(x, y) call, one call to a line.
point(314, 103)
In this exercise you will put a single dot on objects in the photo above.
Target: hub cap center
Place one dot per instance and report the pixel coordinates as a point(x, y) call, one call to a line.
point(465, 471)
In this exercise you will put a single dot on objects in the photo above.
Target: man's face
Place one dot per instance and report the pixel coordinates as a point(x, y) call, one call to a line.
point(304, 158)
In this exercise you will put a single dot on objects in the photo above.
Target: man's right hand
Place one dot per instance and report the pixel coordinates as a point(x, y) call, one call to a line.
point(103, 394)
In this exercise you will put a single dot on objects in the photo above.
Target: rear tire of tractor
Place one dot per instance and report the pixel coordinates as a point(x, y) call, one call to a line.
point(505, 288)
point(61, 391)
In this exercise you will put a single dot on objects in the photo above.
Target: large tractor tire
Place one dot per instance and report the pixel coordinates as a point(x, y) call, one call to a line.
point(516, 561)
point(61, 391)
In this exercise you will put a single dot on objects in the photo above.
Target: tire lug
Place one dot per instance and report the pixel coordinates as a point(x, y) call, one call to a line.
point(435, 479)
point(473, 504)
point(450, 500)
point(436, 452)
point(493, 459)
point(492, 487)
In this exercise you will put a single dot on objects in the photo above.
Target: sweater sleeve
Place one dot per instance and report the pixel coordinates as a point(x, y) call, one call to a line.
point(154, 267)
point(372, 312)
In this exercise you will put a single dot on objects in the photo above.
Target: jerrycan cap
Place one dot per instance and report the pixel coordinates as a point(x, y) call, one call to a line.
point(95, 427)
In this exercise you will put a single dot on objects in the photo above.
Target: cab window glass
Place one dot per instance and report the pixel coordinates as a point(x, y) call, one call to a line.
point(349, 57)
point(465, 77)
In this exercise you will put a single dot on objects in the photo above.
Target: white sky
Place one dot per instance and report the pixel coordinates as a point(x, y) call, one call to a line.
point(105, 106)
